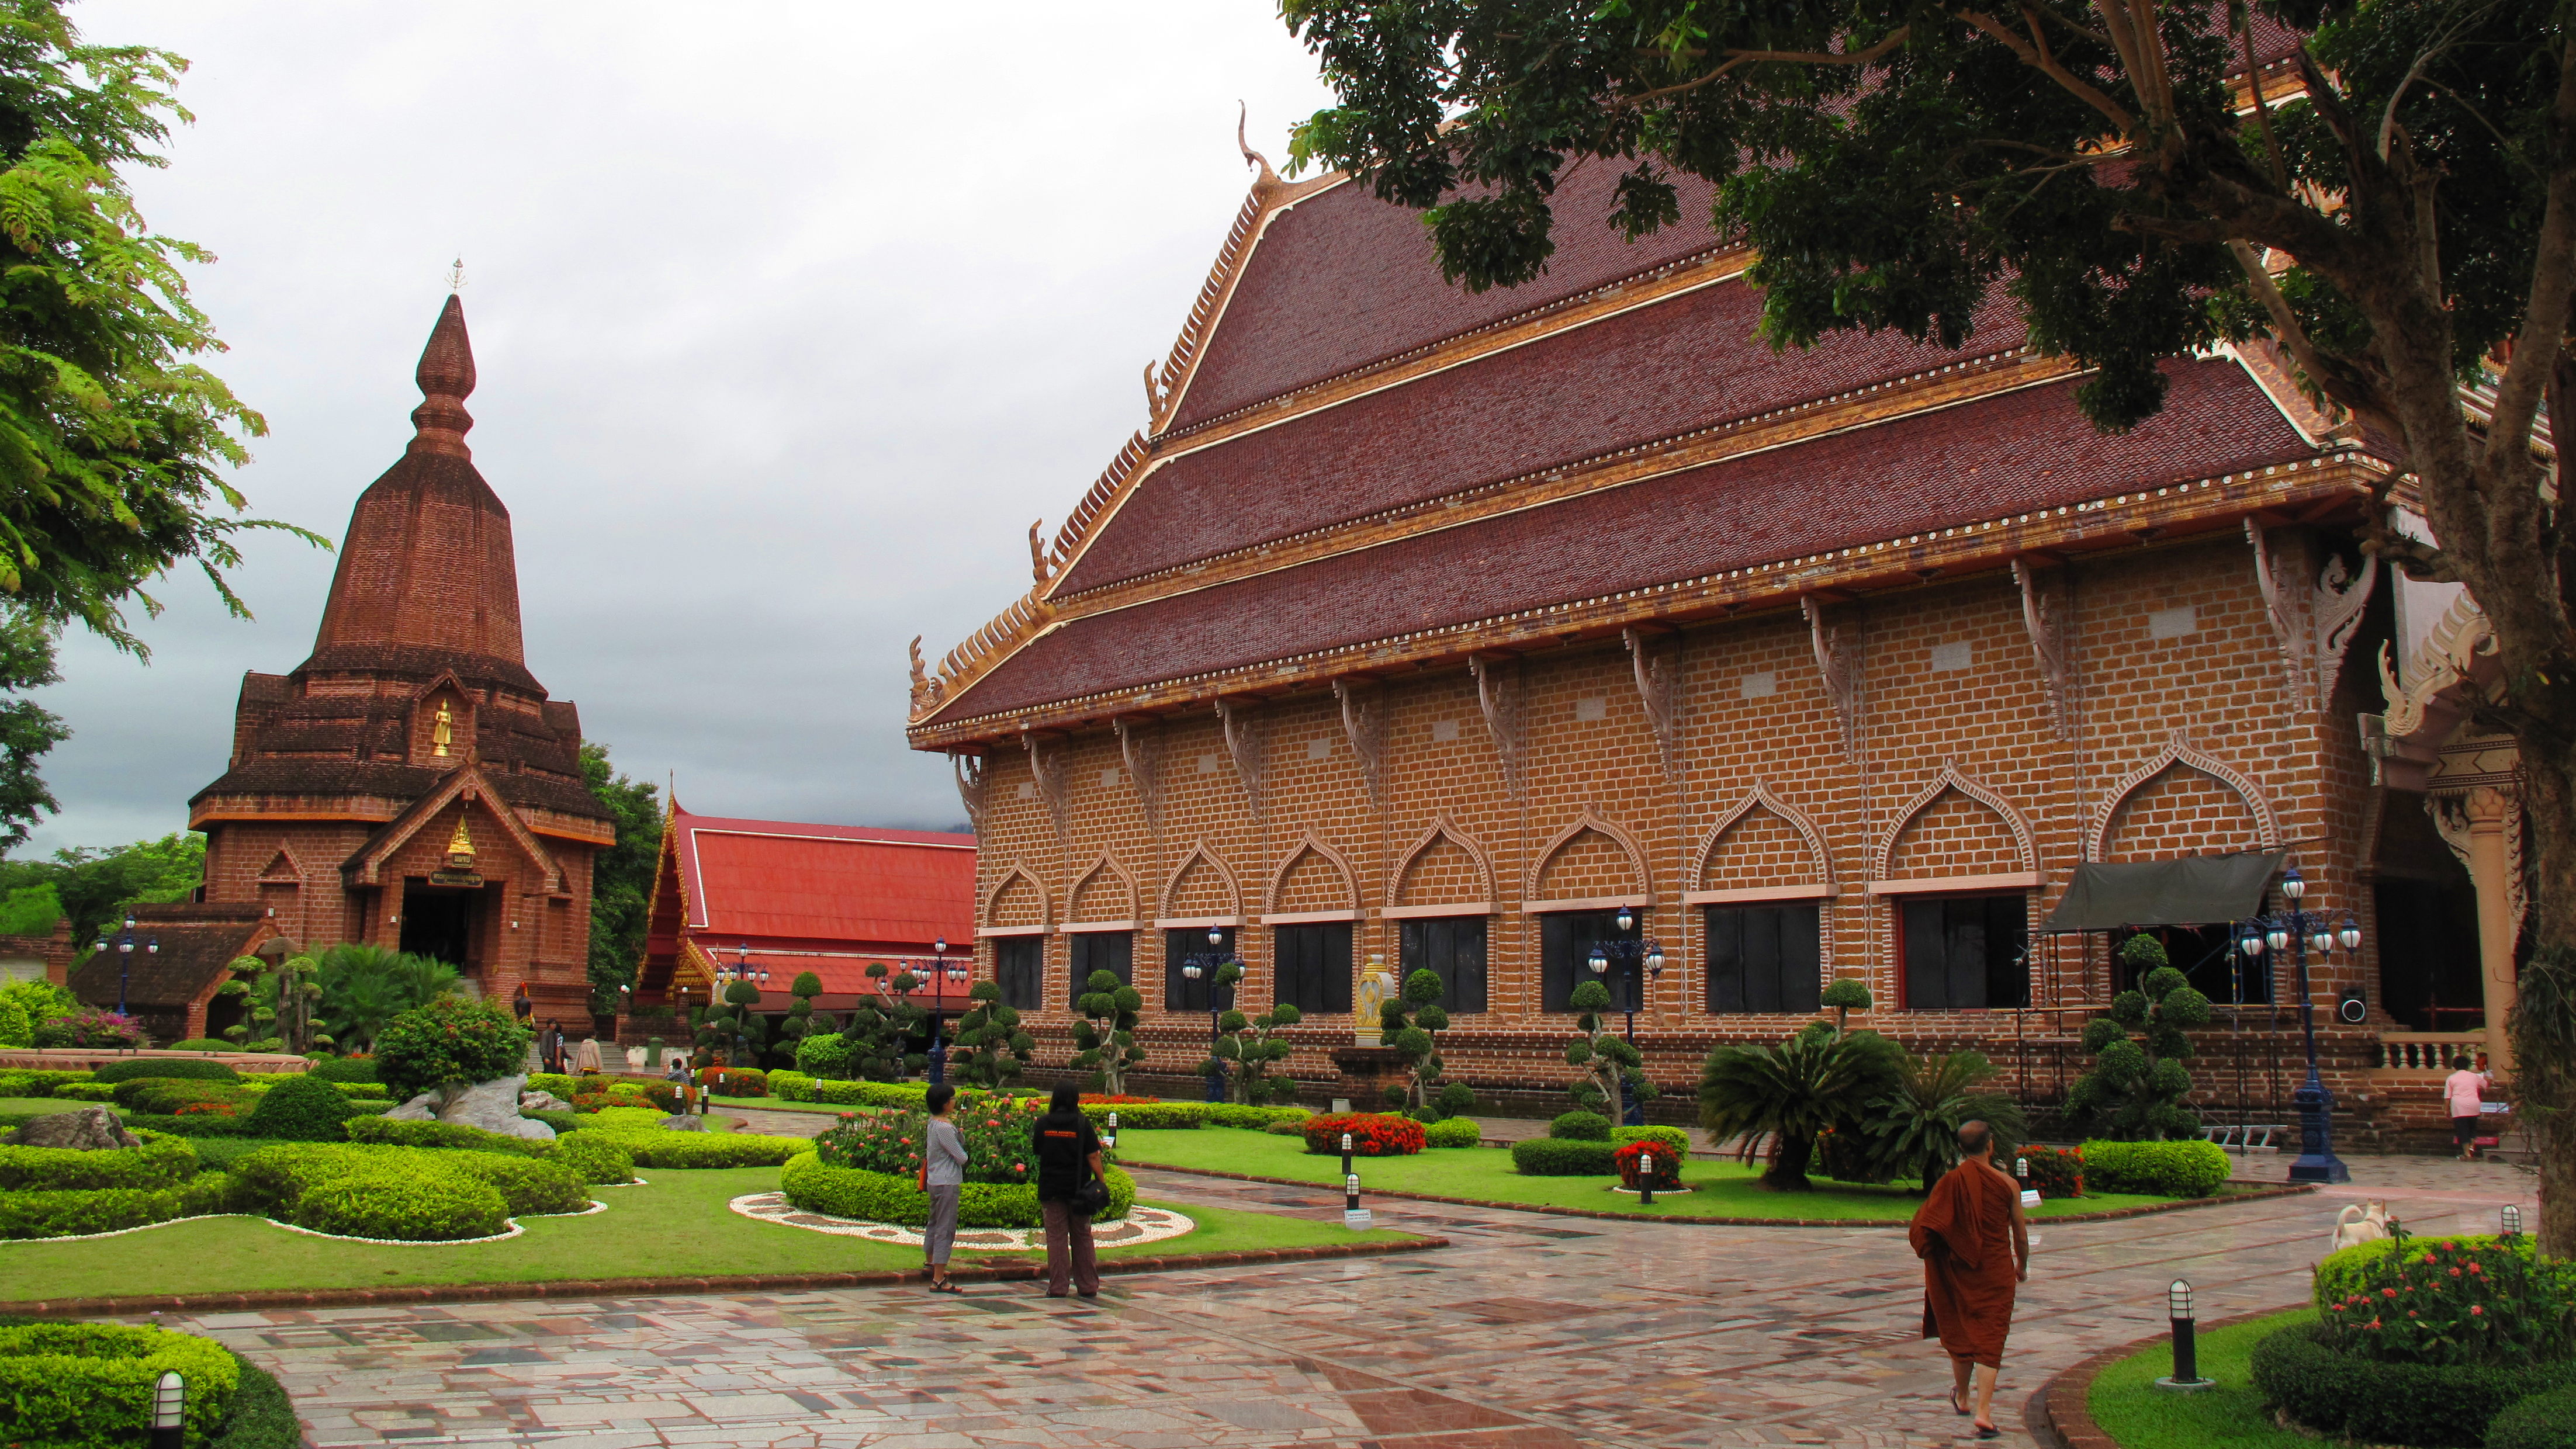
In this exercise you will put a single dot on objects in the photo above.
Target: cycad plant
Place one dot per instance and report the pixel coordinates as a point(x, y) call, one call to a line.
point(365, 986)
point(1789, 1095)
point(1916, 1126)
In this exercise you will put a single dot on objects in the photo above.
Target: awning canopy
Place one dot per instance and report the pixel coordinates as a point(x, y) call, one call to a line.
point(2193, 890)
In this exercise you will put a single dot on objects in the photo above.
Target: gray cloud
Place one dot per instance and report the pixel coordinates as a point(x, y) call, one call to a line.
point(785, 332)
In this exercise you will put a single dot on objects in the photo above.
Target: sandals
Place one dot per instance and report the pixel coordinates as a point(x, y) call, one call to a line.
point(946, 1288)
point(1958, 1408)
point(1989, 1431)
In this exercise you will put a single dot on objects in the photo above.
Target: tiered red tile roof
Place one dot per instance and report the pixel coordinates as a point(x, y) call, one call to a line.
point(1359, 465)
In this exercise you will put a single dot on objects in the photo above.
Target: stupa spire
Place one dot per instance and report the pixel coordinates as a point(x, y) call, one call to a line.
point(446, 378)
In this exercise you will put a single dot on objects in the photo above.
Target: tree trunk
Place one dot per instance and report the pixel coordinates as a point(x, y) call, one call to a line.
point(1789, 1158)
point(2543, 1022)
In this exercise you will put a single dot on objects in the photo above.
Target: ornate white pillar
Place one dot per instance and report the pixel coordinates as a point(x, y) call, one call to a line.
point(2491, 817)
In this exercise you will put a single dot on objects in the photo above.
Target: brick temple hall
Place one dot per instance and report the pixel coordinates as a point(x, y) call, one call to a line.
point(1423, 628)
point(410, 783)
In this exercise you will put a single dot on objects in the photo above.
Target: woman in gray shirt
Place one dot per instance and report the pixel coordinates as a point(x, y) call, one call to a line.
point(943, 1171)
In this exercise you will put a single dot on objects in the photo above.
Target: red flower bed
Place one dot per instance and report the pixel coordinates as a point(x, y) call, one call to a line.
point(205, 1109)
point(1668, 1164)
point(2056, 1171)
point(1104, 1099)
point(1373, 1134)
point(734, 1081)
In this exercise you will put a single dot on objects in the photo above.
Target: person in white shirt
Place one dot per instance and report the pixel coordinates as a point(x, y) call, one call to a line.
point(2466, 1092)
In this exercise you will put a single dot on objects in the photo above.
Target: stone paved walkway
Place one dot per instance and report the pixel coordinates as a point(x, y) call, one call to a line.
point(1534, 1332)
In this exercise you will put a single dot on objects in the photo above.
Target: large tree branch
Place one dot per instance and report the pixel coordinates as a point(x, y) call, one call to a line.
point(1734, 58)
point(2039, 60)
point(2334, 381)
point(2262, 107)
point(2553, 276)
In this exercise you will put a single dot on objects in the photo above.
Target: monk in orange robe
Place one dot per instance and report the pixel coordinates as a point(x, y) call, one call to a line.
point(1975, 1247)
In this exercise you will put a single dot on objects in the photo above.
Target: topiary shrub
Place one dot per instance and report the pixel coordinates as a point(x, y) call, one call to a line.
point(172, 1069)
point(1580, 1127)
point(301, 1111)
point(992, 1048)
point(594, 1158)
point(42, 1083)
point(789, 1086)
point(161, 1096)
point(1372, 1134)
point(887, 1197)
point(1563, 1157)
point(532, 1187)
point(559, 1085)
point(200, 1044)
point(160, 1162)
point(1672, 1137)
point(654, 1148)
point(1147, 1116)
point(2543, 1421)
point(1248, 1048)
point(823, 1055)
point(381, 1131)
point(343, 1069)
point(735, 1081)
point(403, 1206)
point(2136, 1090)
point(86, 1092)
point(1255, 1119)
point(1630, 1161)
point(93, 1383)
point(1104, 1041)
point(2055, 1172)
point(447, 1045)
point(2437, 1406)
point(1453, 1132)
point(2158, 1169)
point(883, 1025)
point(1409, 1021)
point(1602, 1057)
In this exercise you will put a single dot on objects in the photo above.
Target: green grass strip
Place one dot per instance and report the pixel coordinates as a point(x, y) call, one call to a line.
point(677, 1224)
point(2126, 1405)
point(1719, 1189)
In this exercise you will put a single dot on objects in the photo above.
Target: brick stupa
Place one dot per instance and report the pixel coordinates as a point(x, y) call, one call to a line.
point(410, 784)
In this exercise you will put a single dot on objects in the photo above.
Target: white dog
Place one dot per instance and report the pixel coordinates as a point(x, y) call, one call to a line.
point(2360, 1223)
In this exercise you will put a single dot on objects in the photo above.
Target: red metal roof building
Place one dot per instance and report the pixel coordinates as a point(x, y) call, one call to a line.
point(784, 898)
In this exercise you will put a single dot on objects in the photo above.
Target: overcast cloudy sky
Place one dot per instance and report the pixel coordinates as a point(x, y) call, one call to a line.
point(788, 318)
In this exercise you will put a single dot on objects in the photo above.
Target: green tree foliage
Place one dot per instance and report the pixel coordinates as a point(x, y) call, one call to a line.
point(1603, 1059)
point(24, 1004)
point(1249, 1050)
point(1409, 1021)
point(281, 1002)
point(448, 1045)
point(882, 1028)
point(1104, 1041)
point(992, 1048)
point(735, 1028)
point(1897, 165)
point(1916, 1126)
point(800, 1022)
point(111, 442)
point(96, 885)
point(2136, 1090)
point(27, 729)
point(31, 910)
point(1784, 1098)
point(1845, 996)
point(365, 986)
point(621, 877)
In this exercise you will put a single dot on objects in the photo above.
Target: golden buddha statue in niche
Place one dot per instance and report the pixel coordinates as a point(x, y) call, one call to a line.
point(460, 848)
point(444, 731)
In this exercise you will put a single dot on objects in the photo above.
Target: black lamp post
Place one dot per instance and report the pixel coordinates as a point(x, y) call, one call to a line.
point(125, 959)
point(2299, 931)
point(1207, 964)
point(1650, 958)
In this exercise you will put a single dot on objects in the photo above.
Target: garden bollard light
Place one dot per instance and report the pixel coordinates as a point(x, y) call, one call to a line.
point(1354, 1217)
point(1346, 1156)
point(169, 1411)
point(2186, 1353)
point(2512, 1221)
point(1645, 1179)
point(2029, 1194)
point(1112, 1143)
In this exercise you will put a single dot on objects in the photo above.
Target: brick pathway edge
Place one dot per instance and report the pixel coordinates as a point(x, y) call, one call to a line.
point(2258, 1194)
point(2059, 1413)
point(657, 1287)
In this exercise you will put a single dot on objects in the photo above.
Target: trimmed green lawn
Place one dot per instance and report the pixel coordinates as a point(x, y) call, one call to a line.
point(1718, 1189)
point(676, 1224)
point(772, 1104)
point(34, 1105)
point(2127, 1406)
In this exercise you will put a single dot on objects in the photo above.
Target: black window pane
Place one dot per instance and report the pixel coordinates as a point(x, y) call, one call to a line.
point(1726, 963)
point(1110, 951)
point(1802, 959)
point(2007, 933)
point(1180, 948)
point(1019, 966)
point(1763, 958)
point(1964, 922)
point(1965, 953)
point(1314, 966)
point(1565, 950)
point(1927, 955)
point(1453, 949)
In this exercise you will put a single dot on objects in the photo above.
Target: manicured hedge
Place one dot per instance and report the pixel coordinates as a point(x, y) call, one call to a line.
point(869, 1094)
point(594, 1158)
point(189, 1126)
point(261, 1417)
point(406, 1204)
point(161, 1096)
point(1256, 1119)
point(343, 1069)
point(884, 1197)
point(84, 1092)
point(69, 1214)
point(2339, 1274)
point(2390, 1403)
point(36, 1083)
point(93, 1383)
point(621, 1119)
point(1453, 1132)
point(1580, 1127)
point(2543, 1421)
point(200, 1044)
point(160, 1162)
point(196, 1069)
point(1146, 1116)
point(653, 1147)
point(2158, 1169)
point(301, 1111)
point(1563, 1157)
point(1629, 1159)
point(789, 1086)
point(1672, 1137)
point(279, 1179)
point(559, 1084)
point(591, 1156)
point(734, 1081)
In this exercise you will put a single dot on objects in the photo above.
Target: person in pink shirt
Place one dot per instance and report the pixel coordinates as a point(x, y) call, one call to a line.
point(2466, 1090)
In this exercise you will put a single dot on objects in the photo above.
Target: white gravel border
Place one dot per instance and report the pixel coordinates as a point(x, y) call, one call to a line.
point(1155, 1224)
point(596, 1206)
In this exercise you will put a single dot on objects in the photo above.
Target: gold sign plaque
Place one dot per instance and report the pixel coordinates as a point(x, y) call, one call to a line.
point(455, 878)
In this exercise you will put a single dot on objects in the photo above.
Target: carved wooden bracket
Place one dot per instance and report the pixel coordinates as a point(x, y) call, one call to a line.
point(1047, 769)
point(1141, 742)
point(1841, 672)
point(2047, 614)
point(2280, 607)
point(1498, 688)
point(1364, 720)
point(2314, 624)
point(971, 783)
point(1243, 739)
point(2335, 612)
point(1656, 672)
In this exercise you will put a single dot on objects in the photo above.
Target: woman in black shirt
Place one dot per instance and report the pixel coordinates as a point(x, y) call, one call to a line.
point(1068, 1153)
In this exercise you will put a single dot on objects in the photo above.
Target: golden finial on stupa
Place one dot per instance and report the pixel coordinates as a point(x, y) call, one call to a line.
point(460, 847)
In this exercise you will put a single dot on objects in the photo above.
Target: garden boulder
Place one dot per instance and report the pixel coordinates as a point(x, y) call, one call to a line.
point(492, 1106)
point(682, 1122)
point(542, 1102)
point(91, 1129)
